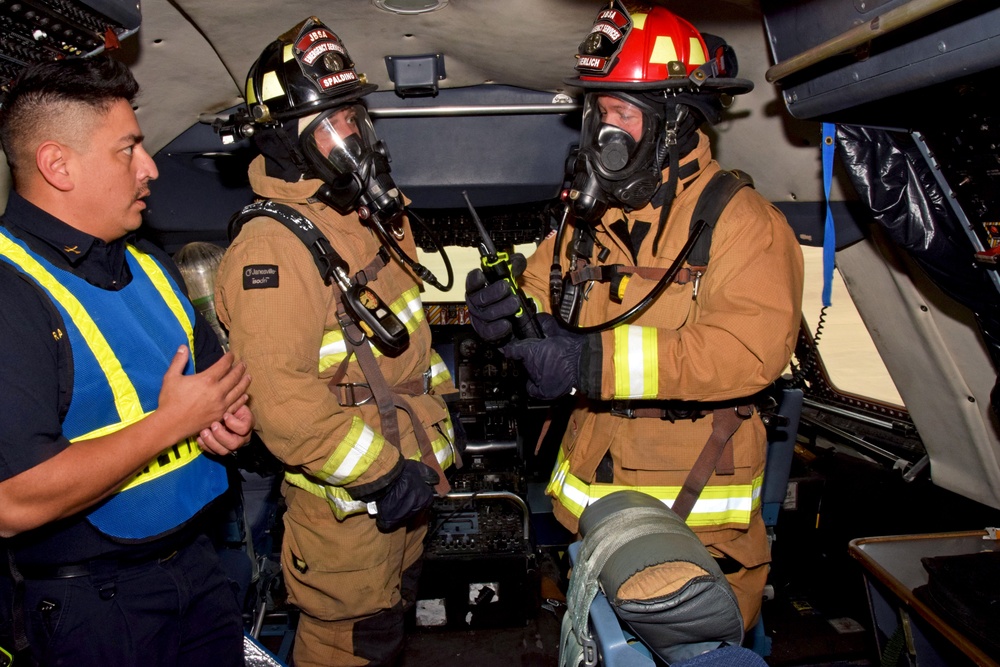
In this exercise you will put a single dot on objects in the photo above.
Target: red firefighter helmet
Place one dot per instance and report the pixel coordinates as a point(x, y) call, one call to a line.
point(654, 50)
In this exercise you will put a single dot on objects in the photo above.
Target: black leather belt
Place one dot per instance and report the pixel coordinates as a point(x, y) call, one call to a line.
point(666, 410)
point(58, 571)
point(656, 410)
point(89, 568)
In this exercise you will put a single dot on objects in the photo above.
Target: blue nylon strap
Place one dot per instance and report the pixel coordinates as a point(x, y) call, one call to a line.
point(829, 235)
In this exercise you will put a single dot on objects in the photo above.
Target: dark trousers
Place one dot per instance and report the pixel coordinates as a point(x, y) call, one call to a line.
point(178, 611)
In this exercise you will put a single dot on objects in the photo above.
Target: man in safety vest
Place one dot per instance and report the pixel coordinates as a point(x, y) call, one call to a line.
point(347, 388)
point(663, 363)
point(117, 400)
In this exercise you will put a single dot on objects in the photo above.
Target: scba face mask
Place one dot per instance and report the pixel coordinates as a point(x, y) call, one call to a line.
point(618, 162)
point(341, 147)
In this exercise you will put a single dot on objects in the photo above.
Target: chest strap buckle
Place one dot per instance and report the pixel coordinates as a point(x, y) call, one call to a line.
point(427, 377)
point(353, 394)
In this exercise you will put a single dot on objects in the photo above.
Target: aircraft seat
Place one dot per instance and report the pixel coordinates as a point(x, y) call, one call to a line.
point(617, 647)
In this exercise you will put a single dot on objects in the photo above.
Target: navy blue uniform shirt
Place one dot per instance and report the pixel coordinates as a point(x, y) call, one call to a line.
point(36, 379)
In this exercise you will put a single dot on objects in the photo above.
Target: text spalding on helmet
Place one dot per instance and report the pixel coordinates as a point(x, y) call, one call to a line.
point(324, 59)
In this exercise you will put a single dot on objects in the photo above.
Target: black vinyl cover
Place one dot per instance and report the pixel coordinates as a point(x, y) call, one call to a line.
point(698, 616)
point(894, 180)
point(965, 591)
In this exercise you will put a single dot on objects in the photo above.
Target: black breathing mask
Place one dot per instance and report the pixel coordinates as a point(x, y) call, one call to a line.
point(343, 151)
point(614, 168)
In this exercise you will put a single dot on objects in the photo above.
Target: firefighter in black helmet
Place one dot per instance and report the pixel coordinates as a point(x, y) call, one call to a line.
point(305, 101)
point(358, 476)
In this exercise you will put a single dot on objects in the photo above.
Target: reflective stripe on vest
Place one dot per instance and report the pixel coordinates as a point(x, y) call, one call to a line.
point(408, 308)
point(118, 372)
point(718, 505)
point(636, 361)
point(340, 500)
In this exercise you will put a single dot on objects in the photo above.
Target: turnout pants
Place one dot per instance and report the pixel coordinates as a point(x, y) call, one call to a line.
point(352, 583)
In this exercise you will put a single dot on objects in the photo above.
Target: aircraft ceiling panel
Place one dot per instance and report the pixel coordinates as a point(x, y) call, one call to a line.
point(867, 51)
point(529, 44)
point(180, 75)
point(191, 57)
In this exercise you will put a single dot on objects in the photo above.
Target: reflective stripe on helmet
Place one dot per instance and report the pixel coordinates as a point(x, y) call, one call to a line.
point(654, 50)
point(322, 76)
point(646, 48)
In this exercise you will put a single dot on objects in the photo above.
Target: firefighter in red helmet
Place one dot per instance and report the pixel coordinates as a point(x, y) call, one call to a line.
point(682, 300)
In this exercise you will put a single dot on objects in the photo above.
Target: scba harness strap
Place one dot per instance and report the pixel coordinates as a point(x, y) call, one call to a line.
point(362, 304)
point(717, 455)
point(333, 268)
point(713, 200)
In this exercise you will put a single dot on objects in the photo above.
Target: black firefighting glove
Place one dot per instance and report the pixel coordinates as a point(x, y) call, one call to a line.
point(560, 363)
point(491, 307)
point(409, 494)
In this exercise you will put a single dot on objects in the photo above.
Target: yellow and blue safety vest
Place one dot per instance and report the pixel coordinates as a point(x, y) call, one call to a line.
point(122, 343)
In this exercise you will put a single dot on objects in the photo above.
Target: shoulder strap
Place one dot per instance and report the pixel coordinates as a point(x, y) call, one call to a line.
point(327, 260)
point(711, 203)
point(713, 200)
point(323, 254)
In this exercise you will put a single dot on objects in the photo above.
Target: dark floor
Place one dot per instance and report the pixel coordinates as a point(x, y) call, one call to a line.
point(802, 631)
point(802, 634)
point(535, 644)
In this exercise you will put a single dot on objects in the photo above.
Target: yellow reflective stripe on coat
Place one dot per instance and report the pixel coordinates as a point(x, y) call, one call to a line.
point(439, 370)
point(716, 506)
point(126, 399)
point(636, 360)
point(443, 446)
point(408, 308)
point(341, 502)
point(353, 455)
point(162, 285)
point(337, 497)
point(332, 350)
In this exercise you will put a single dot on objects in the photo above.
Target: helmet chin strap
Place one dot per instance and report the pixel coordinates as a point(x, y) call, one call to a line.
point(671, 141)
